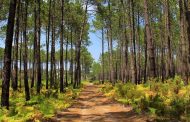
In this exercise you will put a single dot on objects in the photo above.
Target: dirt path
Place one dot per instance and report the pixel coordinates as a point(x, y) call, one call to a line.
point(93, 106)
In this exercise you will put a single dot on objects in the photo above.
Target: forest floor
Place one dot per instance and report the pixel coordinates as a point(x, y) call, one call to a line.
point(92, 105)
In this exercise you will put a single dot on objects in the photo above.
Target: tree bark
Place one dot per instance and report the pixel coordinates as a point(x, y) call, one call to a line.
point(71, 65)
point(146, 56)
point(52, 73)
point(61, 48)
point(66, 61)
point(47, 46)
point(15, 80)
point(38, 48)
point(7, 54)
point(139, 48)
point(187, 15)
point(150, 45)
point(102, 55)
point(78, 50)
point(168, 40)
point(133, 42)
point(183, 52)
point(25, 57)
point(35, 47)
point(111, 45)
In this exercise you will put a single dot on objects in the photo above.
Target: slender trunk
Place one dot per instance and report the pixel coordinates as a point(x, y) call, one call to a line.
point(163, 72)
point(184, 68)
point(47, 55)
point(47, 45)
point(126, 78)
point(75, 64)
point(133, 43)
point(71, 64)
point(122, 55)
point(20, 85)
point(168, 39)
point(38, 48)
point(146, 56)
point(61, 49)
point(15, 80)
point(120, 51)
point(52, 75)
point(139, 49)
point(35, 47)
point(109, 61)
point(25, 57)
point(66, 61)
point(111, 46)
point(150, 45)
point(7, 54)
point(102, 55)
point(78, 49)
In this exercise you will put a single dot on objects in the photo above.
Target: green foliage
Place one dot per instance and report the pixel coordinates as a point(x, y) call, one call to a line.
point(160, 100)
point(96, 69)
point(107, 88)
point(152, 110)
point(39, 107)
point(128, 91)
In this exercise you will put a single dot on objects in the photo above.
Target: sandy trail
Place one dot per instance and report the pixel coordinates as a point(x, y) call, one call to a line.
point(93, 106)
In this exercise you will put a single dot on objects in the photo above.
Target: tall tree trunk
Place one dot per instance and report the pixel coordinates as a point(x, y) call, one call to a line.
point(111, 45)
point(71, 63)
point(52, 73)
point(7, 54)
point(66, 61)
point(47, 56)
point(35, 47)
point(78, 49)
point(109, 61)
point(146, 55)
point(150, 45)
point(47, 45)
point(168, 39)
point(25, 58)
point(102, 55)
point(133, 42)
point(20, 72)
point(162, 69)
point(38, 48)
point(120, 51)
point(61, 49)
point(15, 80)
point(126, 76)
point(184, 64)
point(139, 49)
point(187, 14)
point(75, 64)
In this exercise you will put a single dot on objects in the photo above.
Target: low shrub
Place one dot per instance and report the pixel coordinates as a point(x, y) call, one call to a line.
point(168, 101)
point(39, 106)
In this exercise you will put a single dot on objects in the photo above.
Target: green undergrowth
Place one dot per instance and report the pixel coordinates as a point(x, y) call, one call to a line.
point(39, 107)
point(96, 82)
point(163, 101)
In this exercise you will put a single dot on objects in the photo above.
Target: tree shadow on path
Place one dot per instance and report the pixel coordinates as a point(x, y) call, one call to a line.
point(93, 106)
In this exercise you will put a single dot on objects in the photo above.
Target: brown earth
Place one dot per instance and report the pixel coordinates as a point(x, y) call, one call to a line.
point(93, 106)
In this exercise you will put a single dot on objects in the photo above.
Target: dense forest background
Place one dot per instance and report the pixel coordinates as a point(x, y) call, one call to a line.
point(145, 45)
